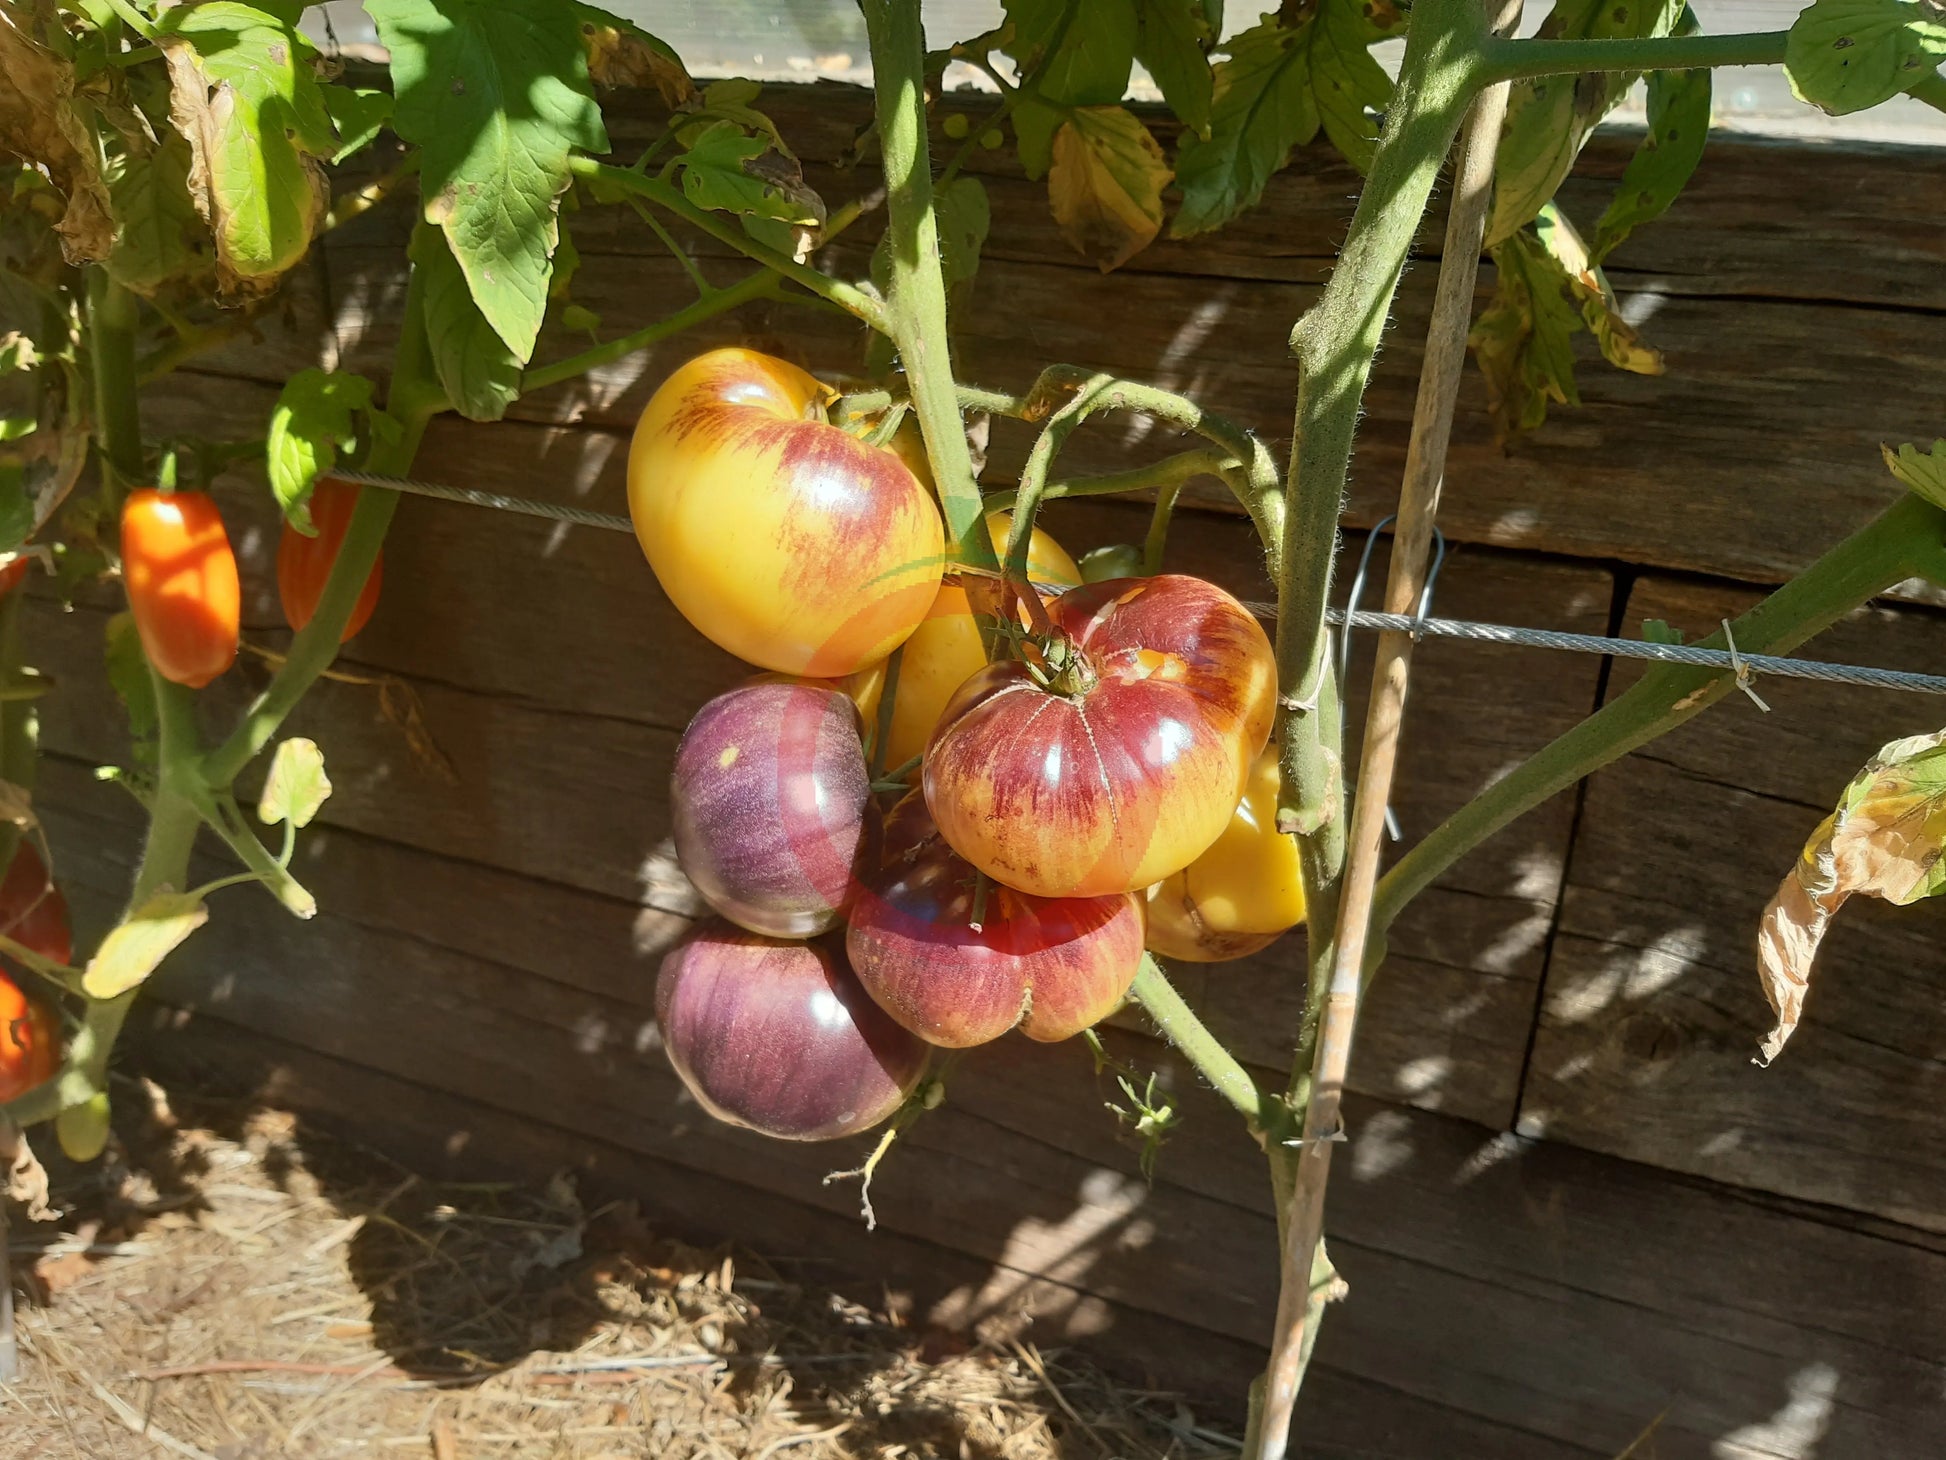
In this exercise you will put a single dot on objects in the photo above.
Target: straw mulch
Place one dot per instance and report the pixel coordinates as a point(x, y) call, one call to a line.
point(234, 1287)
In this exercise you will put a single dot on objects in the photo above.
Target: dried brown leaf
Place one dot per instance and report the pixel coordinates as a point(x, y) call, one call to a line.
point(1106, 184)
point(26, 1178)
point(40, 123)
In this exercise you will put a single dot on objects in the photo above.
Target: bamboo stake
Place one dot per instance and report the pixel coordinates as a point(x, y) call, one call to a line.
point(1432, 425)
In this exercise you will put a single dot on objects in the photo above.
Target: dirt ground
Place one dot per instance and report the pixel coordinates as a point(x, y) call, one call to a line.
point(228, 1285)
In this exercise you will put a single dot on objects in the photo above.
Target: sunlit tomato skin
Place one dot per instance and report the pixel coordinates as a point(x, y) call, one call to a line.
point(945, 651)
point(13, 575)
point(30, 1041)
point(304, 563)
point(778, 1036)
point(787, 541)
point(1240, 896)
point(1129, 766)
point(1050, 967)
point(773, 804)
point(182, 584)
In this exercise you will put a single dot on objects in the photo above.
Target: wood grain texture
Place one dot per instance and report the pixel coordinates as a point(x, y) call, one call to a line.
point(1653, 1010)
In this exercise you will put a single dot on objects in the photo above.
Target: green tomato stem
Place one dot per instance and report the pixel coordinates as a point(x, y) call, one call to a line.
point(1523, 60)
point(1171, 472)
point(1931, 90)
point(1269, 1118)
point(719, 301)
point(113, 315)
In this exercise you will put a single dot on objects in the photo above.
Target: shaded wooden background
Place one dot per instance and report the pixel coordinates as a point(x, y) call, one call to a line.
point(1569, 1204)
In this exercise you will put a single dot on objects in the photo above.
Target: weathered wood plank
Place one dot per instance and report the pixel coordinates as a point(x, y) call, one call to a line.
point(1653, 1010)
point(1609, 1293)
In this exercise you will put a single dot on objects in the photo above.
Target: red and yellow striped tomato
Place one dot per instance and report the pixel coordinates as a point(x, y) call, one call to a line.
point(1129, 763)
point(945, 651)
point(1241, 895)
point(789, 542)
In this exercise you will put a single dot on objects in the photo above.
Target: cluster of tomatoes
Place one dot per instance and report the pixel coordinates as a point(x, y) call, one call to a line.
point(1103, 786)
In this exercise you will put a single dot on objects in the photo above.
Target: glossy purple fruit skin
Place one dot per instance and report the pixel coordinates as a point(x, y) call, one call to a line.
point(778, 1036)
point(772, 802)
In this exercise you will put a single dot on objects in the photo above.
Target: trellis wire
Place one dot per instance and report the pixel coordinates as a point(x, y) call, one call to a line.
point(1744, 666)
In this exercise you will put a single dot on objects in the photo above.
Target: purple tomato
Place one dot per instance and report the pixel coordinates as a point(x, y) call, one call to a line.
point(779, 1037)
point(772, 802)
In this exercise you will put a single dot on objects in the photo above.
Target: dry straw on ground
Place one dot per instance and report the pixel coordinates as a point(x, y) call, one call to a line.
point(236, 1289)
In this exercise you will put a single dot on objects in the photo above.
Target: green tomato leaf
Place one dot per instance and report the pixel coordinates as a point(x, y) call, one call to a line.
point(316, 414)
point(1884, 840)
point(16, 506)
point(359, 115)
point(1923, 471)
point(244, 92)
point(1277, 88)
point(1080, 61)
point(726, 170)
point(135, 949)
point(1106, 184)
point(296, 785)
point(476, 369)
point(161, 236)
point(621, 53)
point(964, 217)
point(1035, 123)
point(1846, 55)
point(128, 672)
point(1679, 123)
point(1550, 118)
point(40, 122)
point(497, 96)
point(1172, 42)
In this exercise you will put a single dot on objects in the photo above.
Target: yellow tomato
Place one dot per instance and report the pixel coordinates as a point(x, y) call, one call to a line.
point(1242, 894)
point(789, 542)
point(945, 651)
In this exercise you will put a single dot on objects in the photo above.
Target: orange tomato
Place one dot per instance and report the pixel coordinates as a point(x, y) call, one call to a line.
point(182, 584)
point(304, 563)
point(1242, 894)
point(789, 542)
point(30, 1041)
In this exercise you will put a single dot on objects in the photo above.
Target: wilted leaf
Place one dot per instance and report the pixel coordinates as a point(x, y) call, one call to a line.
point(1620, 345)
point(728, 171)
point(1923, 472)
point(621, 53)
point(296, 785)
point(1846, 55)
point(82, 1129)
point(22, 1177)
point(136, 947)
point(243, 91)
point(359, 114)
point(1171, 42)
point(964, 217)
point(1084, 60)
point(316, 414)
point(1679, 123)
point(40, 124)
point(1106, 184)
point(475, 367)
point(1884, 840)
point(496, 95)
point(1277, 88)
point(128, 672)
point(161, 235)
point(1550, 117)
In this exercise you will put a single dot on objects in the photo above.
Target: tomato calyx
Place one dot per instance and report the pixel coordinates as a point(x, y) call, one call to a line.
point(1064, 669)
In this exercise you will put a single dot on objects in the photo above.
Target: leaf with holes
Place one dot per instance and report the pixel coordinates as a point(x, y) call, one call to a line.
point(1679, 123)
point(1549, 118)
point(316, 414)
point(244, 92)
point(726, 170)
point(1106, 184)
point(621, 53)
point(161, 236)
point(1277, 88)
point(1923, 471)
point(476, 369)
point(1172, 39)
point(296, 785)
point(497, 96)
point(136, 947)
point(1883, 840)
point(359, 115)
point(1846, 55)
point(40, 123)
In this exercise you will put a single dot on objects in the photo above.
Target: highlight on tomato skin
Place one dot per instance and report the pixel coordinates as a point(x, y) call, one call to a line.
point(784, 539)
point(1050, 967)
point(30, 1041)
point(772, 805)
point(1128, 763)
point(181, 579)
point(779, 1037)
point(304, 563)
point(1241, 895)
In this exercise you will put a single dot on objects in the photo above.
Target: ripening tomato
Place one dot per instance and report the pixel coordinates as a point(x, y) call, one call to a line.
point(1051, 966)
point(784, 539)
point(1241, 895)
point(30, 1034)
point(32, 910)
point(182, 584)
point(945, 651)
point(304, 563)
point(1128, 762)
point(13, 575)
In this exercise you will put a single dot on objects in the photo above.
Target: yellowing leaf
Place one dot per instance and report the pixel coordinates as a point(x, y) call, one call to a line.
point(1106, 184)
point(296, 786)
point(40, 125)
point(621, 53)
point(135, 949)
point(1884, 840)
point(1923, 471)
